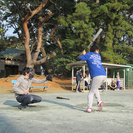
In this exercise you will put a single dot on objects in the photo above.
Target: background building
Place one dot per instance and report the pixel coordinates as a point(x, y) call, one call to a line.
point(13, 61)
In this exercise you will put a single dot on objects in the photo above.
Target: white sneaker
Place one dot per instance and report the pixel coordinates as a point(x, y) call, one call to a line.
point(100, 105)
point(88, 110)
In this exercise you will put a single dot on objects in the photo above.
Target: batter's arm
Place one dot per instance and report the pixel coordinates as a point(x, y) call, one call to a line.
point(78, 58)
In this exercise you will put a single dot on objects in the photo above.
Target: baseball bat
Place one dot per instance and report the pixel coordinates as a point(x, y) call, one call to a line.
point(62, 98)
point(97, 34)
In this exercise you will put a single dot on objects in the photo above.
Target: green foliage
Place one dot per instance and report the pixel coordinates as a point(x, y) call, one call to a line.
point(79, 27)
point(115, 18)
point(60, 65)
point(77, 24)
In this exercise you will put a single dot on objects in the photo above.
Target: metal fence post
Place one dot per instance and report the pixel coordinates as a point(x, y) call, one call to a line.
point(128, 78)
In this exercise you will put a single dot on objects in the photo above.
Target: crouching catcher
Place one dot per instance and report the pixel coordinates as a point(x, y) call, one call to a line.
point(22, 85)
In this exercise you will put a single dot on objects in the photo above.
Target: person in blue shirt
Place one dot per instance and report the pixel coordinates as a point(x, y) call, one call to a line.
point(97, 73)
point(78, 80)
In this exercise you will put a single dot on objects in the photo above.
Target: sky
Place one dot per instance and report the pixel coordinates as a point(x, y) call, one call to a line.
point(10, 32)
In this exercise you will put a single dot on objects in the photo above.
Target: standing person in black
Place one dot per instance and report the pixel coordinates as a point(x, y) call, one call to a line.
point(78, 80)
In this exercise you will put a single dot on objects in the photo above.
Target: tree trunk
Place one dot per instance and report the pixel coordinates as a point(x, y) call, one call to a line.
point(27, 35)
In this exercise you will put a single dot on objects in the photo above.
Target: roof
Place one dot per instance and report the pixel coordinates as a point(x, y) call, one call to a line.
point(105, 65)
point(12, 53)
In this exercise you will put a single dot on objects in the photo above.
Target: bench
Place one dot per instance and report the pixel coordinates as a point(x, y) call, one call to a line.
point(13, 81)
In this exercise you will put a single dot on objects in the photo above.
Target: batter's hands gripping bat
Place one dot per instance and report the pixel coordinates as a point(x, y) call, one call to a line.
point(62, 98)
point(97, 34)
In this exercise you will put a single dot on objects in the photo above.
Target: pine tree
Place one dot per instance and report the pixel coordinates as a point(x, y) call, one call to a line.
point(111, 15)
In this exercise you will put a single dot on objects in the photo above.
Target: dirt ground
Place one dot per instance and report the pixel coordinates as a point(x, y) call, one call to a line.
point(59, 84)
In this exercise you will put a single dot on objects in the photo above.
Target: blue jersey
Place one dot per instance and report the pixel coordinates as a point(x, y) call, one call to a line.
point(94, 64)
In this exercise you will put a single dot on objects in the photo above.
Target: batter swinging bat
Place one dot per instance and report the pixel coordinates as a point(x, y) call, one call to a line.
point(62, 98)
point(98, 33)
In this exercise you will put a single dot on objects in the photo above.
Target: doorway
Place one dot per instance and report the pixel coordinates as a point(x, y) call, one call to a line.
point(11, 70)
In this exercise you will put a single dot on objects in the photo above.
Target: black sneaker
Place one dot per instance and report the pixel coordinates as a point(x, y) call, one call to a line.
point(22, 107)
point(27, 106)
point(49, 77)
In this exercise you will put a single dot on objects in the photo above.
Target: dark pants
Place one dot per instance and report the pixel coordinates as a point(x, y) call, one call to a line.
point(102, 87)
point(112, 88)
point(78, 86)
point(26, 99)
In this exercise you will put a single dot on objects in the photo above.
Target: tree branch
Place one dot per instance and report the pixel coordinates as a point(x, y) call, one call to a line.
point(33, 45)
point(26, 30)
point(27, 40)
point(43, 51)
point(32, 13)
point(40, 36)
point(56, 26)
point(52, 55)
